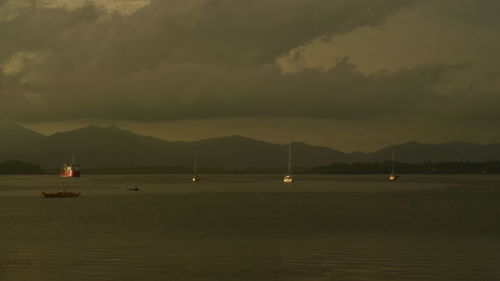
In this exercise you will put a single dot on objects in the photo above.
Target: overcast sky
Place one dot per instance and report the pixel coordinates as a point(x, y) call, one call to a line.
point(352, 75)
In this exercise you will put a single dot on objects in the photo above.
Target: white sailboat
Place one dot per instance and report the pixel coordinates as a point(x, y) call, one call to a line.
point(195, 174)
point(289, 178)
point(393, 175)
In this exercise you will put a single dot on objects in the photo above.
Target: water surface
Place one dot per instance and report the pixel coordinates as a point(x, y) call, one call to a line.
point(251, 228)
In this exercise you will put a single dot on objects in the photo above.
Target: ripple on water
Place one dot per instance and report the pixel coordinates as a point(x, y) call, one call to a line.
point(251, 260)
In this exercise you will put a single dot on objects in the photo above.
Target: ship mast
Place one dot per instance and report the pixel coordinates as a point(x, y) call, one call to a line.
point(290, 159)
point(393, 172)
point(195, 171)
point(397, 163)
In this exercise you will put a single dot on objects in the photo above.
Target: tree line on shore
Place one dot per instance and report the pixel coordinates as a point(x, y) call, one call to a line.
point(10, 167)
point(490, 167)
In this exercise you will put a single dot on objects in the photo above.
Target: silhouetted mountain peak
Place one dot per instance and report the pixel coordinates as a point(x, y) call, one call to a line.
point(114, 127)
point(410, 143)
point(229, 139)
point(461, 143)
point(14, 137)
point(93, 127)
point(112, 146)
point(238, 137)
point(93, 130)
point(14, 131)
point(14, 128)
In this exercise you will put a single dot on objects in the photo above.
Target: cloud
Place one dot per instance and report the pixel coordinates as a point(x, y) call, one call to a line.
point(204, 59)
point(17, 63)
point(430, 32)
point(12, 8)
point(169, 92)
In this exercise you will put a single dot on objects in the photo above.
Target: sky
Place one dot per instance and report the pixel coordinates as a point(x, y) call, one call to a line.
point(351, 75)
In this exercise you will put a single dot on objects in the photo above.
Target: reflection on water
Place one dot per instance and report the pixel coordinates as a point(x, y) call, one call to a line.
point(255, 228)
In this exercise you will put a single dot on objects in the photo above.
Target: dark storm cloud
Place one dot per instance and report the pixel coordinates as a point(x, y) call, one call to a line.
point(483, 12)
point(208, 59)
point(340, 93)
point(250, 32)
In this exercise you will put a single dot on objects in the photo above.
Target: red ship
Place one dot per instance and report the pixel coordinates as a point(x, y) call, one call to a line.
point(70, 170)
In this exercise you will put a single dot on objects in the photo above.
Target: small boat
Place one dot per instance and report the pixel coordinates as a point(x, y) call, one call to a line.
point(133, 189)
point(70, 170)
point(393, 175)
point(196, 177)
point(60, 194)
point(289, 178)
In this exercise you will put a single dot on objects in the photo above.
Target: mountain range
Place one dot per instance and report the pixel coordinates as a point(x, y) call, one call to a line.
point(100, 147)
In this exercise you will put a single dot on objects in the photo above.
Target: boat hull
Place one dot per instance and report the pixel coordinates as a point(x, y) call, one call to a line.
point(393, 177)
point(60, 194)
point(70, 174)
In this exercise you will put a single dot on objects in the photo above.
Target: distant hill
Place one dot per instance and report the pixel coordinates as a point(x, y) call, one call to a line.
point(98, 147)
point(241, 152)
point(108, 147)
point(113, 147)
point(14, 138)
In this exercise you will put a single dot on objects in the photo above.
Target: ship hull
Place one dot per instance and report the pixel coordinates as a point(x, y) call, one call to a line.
point(70, 174)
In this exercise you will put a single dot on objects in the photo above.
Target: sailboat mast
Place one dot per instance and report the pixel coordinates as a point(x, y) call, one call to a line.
point(393, 161)
point(290, 159)
point(195, 172)
point(73, 159)
point(397, 163)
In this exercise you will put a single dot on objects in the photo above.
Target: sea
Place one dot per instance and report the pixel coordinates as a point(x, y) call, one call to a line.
point(251, 227)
